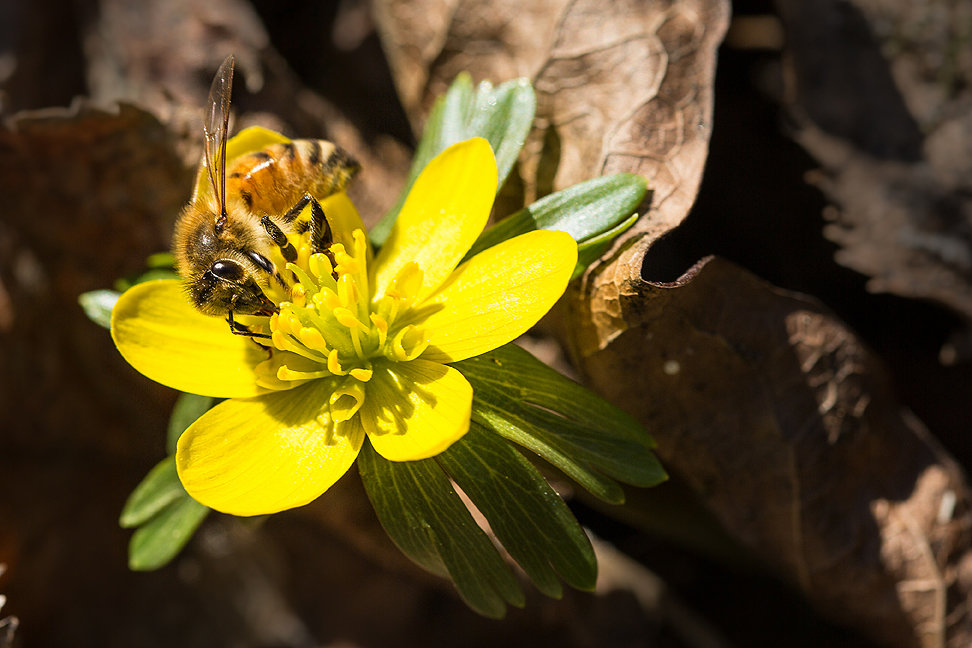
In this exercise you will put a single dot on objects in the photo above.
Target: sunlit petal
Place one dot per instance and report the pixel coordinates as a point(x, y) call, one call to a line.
point(263, 455)
point(419, 412)
point(499, 294)
point(160, 334)
point(444, 213)
point(342, 216)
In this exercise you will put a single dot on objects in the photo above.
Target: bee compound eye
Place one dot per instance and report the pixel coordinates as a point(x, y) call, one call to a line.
point(227, 270)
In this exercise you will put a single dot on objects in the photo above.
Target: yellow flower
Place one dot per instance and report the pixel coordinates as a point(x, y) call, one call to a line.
point(358, 348)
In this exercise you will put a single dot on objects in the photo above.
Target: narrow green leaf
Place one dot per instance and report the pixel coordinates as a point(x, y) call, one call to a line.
point(586, 211)
point(515, 422)
point(97, 305)
point(161, 260)
point(160, 488)
point(187, 408)
point(529, 403)
point(527, 516)
point(592, 249)
point(157, 542)
point(422, 514)
point(503, 115)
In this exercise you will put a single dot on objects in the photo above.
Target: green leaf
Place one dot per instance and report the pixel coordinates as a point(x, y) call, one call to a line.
point(589, 212)
point(159, 488)
point(187, 408)
point(97, 305)
point(527, 516)
point(161, 260)
point(503, 115)
point(422, 514)
point(592, 249)
point(590, 440)
point(157, 542)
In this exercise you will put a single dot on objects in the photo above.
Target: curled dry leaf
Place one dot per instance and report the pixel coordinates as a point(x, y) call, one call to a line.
point(882, 93)
point(620, 87)
point(779, 418)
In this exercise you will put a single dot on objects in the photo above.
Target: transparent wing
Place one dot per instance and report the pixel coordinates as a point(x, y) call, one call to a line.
point(215, 127)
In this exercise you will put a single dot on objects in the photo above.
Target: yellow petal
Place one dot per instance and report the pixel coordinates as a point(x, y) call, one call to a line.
point(498, 295)
point(251, 139)
point(160, 334)
point(419, 412)
point(444, 214)
point(246, 141)
point(262, 455)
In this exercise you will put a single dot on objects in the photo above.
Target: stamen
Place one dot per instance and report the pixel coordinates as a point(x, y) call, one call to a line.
point(286, 373)
point(298, 295)
point(346, 401)
point(326, 300)
point(321, 266)
point(347, 318)
point(381, 326)
point(303, 277)
point(347, 290)
point(284, 342)
point(334, 364)
point(407, 282)
point(408, 344)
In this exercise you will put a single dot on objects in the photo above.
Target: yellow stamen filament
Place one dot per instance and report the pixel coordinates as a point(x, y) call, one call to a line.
point(286, 373)
point(286, 343)
point(381, 325)
point(334, 364)
point(346, 401)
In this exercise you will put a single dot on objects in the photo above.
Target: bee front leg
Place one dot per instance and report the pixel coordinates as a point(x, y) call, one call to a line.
point(241, 329)
point(280, 239)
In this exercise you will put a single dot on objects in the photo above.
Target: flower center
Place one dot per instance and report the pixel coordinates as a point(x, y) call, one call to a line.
point(329, 327)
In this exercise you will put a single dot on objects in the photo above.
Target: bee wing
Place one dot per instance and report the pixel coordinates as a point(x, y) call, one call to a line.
point(215, 128)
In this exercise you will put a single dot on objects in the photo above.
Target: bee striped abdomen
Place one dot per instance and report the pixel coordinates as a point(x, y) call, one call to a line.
point(270, 181)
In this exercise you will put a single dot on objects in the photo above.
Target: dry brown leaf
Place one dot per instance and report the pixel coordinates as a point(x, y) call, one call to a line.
point(625, 86)
point(779, 418)
point(883, 95)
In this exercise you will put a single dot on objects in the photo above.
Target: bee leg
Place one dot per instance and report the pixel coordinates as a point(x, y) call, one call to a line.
point(321, 235)
point(298, 207)
point(240, 329)
point(280, 239)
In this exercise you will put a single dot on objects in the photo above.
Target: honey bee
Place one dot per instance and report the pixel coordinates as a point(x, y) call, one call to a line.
point(223, 238)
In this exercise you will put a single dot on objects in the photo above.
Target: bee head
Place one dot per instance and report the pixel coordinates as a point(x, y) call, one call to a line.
point(219, 266)
point(228, 285)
